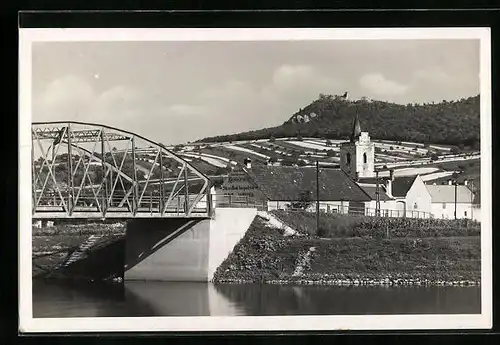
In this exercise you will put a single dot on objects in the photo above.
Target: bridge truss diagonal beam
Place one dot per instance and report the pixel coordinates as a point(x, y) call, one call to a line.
point(102, 172)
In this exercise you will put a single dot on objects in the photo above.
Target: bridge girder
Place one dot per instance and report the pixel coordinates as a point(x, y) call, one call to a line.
point(77, 169)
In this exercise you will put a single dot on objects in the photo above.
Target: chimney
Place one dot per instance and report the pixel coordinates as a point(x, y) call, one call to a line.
point(391, 174)
point(248, 163)
point(388, 188)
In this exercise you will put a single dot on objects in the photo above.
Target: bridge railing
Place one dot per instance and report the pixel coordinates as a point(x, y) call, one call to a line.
point(149, 204)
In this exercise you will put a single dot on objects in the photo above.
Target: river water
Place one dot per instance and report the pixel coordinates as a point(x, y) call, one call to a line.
point(139, 299)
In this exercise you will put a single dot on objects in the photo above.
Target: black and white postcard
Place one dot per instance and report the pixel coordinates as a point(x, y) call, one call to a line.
point(255, 179)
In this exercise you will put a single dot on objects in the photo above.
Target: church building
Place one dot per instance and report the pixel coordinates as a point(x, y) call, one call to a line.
point(351, 189)
point(357, 157)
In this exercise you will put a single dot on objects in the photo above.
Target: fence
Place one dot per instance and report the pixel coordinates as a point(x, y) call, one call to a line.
point(363, 211)
point(221, 200)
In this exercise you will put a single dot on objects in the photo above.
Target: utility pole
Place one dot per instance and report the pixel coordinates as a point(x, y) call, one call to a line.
point(455, 199)
point(317, 197)
point(377, 193)
point(472, 199)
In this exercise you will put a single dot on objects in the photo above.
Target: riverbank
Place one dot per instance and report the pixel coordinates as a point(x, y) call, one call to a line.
point(267, 255)
point(53, 246)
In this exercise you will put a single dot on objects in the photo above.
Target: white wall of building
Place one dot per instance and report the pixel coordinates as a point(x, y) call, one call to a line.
point(447, 210)
point(476, 212)
point(418, 198)
point(388, 208)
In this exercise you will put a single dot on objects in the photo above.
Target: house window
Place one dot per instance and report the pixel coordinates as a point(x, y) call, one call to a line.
point(415, 206)
point(465, 213)
point(364, 158)
point(348, 158)
point(444, 205)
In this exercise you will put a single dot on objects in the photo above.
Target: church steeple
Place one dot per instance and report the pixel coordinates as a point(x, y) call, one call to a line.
point(356, 129)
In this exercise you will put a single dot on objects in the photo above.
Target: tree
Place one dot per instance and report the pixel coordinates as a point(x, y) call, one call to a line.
point(273, 159)
point(304, 200)
point(330, 153)
point(449, 123)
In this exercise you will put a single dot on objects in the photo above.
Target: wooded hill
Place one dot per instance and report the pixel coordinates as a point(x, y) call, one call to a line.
point(448, 122)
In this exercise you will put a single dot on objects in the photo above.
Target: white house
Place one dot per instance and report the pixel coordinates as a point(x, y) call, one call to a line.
point(446, 199)
point(407, 195)
point(388, 205)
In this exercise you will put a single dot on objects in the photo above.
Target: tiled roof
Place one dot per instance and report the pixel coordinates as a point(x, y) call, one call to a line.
point(446, 193)
point(400, 185)
point(288, 183)
point(372, 192)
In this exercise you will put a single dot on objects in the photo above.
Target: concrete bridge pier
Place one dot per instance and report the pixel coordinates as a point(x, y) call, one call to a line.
point(183, 249)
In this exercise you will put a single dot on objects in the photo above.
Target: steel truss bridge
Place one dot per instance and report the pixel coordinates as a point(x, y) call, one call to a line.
point(85, 170)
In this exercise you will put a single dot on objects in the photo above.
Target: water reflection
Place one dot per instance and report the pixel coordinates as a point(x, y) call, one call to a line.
point(139, 299)
point(327, 300)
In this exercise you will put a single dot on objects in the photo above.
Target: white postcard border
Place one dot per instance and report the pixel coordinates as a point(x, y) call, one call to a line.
point(247, 323)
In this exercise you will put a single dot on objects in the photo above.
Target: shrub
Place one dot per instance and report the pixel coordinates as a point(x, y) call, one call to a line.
point(339, 225)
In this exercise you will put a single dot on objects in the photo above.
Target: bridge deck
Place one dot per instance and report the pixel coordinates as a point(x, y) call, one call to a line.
point(116, 215)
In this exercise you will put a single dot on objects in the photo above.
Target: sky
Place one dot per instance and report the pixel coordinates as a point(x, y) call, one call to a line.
point(175, 92)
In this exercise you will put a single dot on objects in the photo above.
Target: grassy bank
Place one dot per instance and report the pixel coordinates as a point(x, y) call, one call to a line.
point(342, 226)
point(264, 255)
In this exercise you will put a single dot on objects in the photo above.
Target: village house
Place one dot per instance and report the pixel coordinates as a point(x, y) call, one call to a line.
point(446, 199)
point(408, 195)
point(388, 205)
point(354, 188)
point(283, 187)
point(404, 196)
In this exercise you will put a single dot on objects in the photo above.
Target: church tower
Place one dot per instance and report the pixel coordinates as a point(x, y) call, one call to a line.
point(357, 156)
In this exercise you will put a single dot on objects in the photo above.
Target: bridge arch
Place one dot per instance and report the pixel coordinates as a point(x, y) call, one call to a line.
point(82, 169)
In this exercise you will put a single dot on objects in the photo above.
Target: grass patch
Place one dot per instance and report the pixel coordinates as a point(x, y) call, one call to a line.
point(264, 254)
point(81, 229)
point(343, 226)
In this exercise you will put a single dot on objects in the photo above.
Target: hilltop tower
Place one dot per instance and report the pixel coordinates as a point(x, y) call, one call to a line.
point(357, 157)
